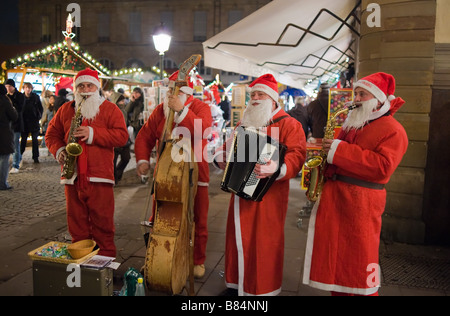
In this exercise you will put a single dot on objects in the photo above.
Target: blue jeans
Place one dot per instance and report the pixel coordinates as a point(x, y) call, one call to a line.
point(4, 170)
point(17, 156)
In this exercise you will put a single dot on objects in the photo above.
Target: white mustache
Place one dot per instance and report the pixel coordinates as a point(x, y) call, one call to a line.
point(85, 94)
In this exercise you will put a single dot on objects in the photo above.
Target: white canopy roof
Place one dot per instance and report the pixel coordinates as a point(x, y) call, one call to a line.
point(295, 40)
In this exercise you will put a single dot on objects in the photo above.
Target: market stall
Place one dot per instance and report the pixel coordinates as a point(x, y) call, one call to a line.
point(53, 67)
point(44, 68)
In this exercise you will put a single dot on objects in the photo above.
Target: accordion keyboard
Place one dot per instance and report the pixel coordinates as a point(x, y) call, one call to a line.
point(252, 183)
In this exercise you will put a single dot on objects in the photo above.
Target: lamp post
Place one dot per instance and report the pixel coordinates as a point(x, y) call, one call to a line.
point(161, 40)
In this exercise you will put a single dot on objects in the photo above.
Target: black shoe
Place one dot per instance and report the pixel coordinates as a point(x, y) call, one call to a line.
point(36, 160)
point(7, 188)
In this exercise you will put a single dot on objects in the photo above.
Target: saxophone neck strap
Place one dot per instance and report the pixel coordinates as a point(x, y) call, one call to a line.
point(277, 120)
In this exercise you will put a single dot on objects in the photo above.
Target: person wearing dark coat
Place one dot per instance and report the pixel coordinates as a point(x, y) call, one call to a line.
point(122, 152)
point(318, 112)
point(300, 113)
point(8, 115)
point(225, 106)
point(32, 113)
point(134, 110)
point(17, 100)
point(61, 99)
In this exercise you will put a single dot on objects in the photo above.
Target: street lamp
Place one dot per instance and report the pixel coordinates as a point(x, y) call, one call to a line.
point(161, 39)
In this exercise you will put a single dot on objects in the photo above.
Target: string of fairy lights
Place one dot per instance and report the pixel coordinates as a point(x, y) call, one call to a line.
point(46, 58)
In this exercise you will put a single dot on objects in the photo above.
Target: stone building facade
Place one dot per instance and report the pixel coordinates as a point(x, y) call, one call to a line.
point(119, 32)
point(413, 44)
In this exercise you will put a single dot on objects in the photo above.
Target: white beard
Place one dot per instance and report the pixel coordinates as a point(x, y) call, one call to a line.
point(183, 99)
point(359, 117)
point(257, 115)
point(91, 106)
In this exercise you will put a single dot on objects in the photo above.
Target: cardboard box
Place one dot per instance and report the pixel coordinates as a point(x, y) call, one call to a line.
point(55, 279)
point(236, 115)
point(239, 96)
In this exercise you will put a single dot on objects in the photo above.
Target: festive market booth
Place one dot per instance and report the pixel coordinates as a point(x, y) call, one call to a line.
point(52, 67)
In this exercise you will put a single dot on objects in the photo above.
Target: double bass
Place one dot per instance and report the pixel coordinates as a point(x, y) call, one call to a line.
point(169, 255)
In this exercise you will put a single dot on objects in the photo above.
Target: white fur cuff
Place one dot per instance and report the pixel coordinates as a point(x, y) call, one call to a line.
point(332, 151)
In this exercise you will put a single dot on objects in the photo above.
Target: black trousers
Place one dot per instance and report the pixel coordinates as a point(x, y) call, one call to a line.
point(35, 143)
point(125, 156)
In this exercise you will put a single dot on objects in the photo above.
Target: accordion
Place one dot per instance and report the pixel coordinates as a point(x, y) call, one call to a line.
point(249, 147)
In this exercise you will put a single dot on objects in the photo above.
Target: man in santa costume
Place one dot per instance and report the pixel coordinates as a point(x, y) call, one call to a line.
point(195, 116)
point(254, 250)
point(345, 223)
point(89, 193)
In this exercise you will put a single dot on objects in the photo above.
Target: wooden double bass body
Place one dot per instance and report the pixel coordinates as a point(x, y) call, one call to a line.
point(170, 245)
point(169, 256)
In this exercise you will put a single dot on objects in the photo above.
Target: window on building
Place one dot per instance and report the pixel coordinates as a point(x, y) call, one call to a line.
point(45, 29)
point(169, 65)
point(200, 26)
point(134, 63)
point(77, 31)
point(103, 27)
point(134, 27)
point(234, 16)
point(167, 20)
point(202, 70)
point(107, 63)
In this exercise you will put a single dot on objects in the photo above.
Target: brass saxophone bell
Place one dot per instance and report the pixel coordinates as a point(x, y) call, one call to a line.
point(314, 162)
point(74, 149)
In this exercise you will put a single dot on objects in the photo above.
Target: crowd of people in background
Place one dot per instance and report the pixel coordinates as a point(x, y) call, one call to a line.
point(313, 115)
point(35, 112)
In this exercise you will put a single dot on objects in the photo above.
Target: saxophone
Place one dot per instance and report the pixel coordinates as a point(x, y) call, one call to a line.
point(316, 164)
point(73, 149)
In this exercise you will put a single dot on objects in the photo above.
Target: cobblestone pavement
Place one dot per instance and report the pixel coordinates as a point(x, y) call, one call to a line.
point(36, 192)
point(33, 213)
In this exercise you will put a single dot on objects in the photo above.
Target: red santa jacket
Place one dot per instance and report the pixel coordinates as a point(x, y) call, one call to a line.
point(254, 250)
point(196, 118)
point(345, 224)
point(107, 130)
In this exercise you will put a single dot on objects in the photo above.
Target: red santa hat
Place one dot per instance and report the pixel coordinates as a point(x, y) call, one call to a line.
point(188, 89)
point(380, 84)
point(267, 84)
point(87, 75)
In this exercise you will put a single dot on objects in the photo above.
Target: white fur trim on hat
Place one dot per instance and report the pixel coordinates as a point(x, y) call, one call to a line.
point(266, 89)
point(89, 79)
point(372, 88)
